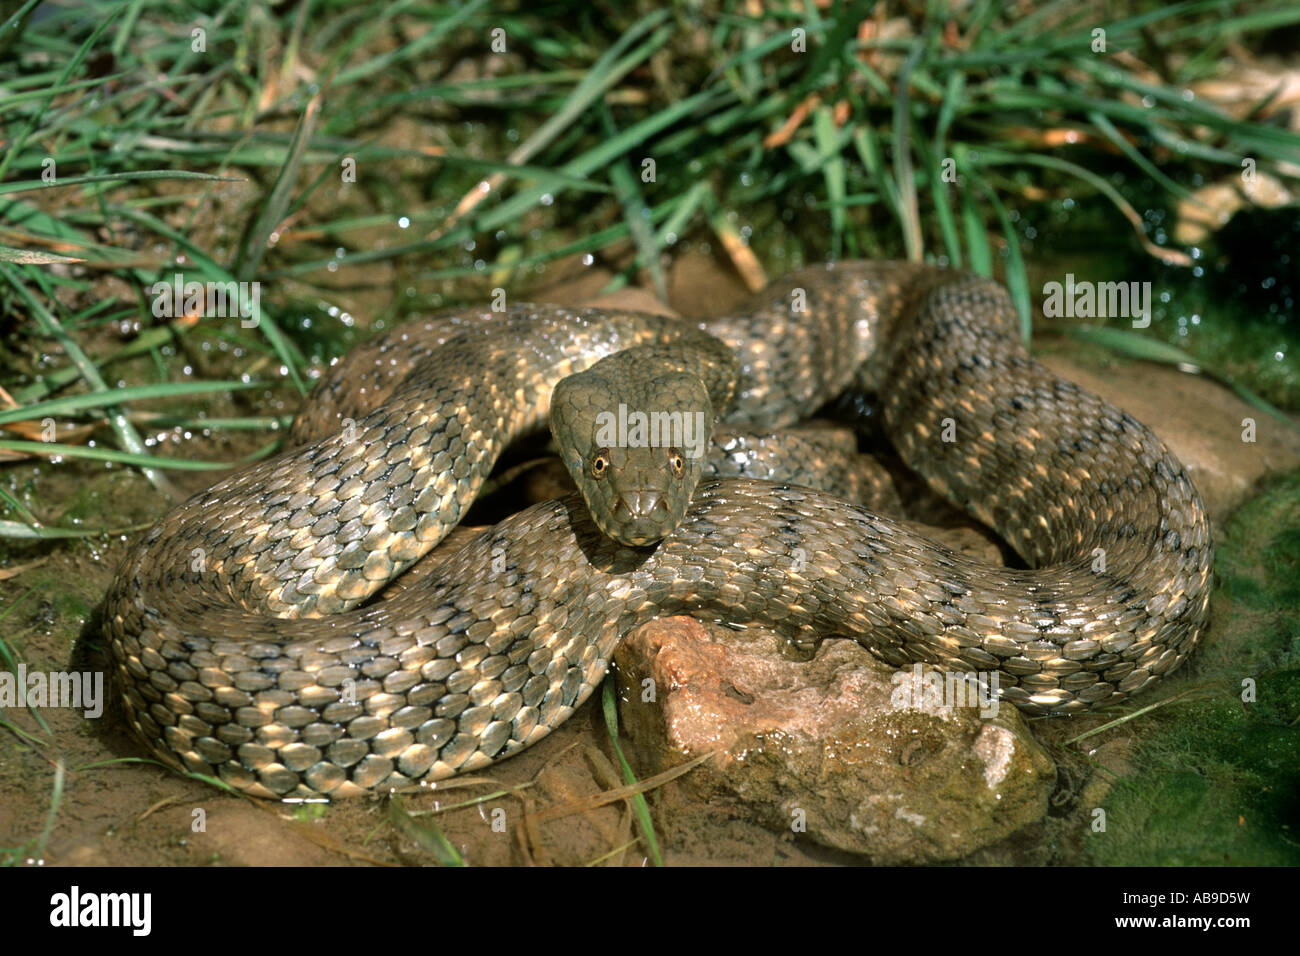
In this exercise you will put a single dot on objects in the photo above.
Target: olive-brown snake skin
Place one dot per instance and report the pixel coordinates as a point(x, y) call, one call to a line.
point(244, 649)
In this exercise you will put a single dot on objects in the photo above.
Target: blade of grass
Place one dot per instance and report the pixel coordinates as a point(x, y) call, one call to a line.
point(19, 509)
point(19, 141)
point(255, 240)
point(640, 808)
point(1017, 279)
point(441, 26)
point(994, 157)
point(122, 427)
point(1134, 345)
point(56, 800)
point(635, 213)
point(115, 396)
point(978, 252)
point(28, 257)
point(829, 146)
point(49, 448)
point(29, 532)
point(31, 186)
point(604, 73)
point(288, 352)
point(424, 832)
point(909, 210)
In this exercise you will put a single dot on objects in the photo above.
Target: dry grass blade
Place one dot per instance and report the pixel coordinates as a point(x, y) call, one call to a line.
point(17, 569)
point(1141, 711)
point(622, 793)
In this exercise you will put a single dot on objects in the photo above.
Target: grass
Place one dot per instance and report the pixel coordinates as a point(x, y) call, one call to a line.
point(33, 851)
point(640, 809)
point(127, 128)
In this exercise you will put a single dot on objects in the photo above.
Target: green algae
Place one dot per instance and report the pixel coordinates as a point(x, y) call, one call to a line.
point(1216, 777)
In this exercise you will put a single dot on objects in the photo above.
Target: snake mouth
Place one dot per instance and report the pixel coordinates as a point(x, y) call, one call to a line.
point(641, 504)
point(641, 517)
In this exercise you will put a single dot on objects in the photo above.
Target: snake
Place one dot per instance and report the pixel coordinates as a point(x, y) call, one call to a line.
point(247, 643)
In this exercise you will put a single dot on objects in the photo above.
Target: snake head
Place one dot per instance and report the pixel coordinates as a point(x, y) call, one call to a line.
point(634, 443)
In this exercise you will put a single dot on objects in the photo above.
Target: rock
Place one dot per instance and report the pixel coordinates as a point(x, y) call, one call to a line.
point(839, 744)
point(1200, 421)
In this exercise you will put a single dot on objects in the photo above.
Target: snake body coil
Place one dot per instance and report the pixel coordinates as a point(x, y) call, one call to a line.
point(244, 649)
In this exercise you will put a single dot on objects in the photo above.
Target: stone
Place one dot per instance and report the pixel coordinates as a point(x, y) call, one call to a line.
point(840, 746)
point(1200, 421)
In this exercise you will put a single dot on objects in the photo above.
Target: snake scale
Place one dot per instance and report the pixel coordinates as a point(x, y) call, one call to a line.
point(240, 632)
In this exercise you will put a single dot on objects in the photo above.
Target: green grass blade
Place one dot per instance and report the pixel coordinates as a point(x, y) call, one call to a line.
point(49, 448)
point(114, 396)
point(31, 186)
point(272, 214)
point(640, 808)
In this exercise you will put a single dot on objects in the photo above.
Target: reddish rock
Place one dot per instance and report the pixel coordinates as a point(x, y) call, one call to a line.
point(860, 757)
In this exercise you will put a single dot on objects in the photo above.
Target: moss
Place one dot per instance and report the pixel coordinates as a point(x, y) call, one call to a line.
point(1217, 779)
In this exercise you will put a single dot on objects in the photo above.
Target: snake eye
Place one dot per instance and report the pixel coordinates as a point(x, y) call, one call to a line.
point(600, 464)
point(676, 463)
